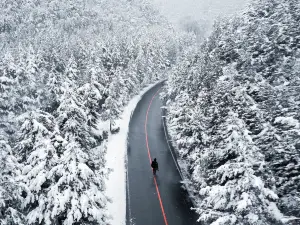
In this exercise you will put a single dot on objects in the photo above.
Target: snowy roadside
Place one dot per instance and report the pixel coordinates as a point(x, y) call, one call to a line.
point(181, 165)
point(116, 159)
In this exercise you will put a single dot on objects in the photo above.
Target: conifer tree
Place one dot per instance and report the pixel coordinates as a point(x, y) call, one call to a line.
point(10, 189)
point(78, 180)
point(39, 156)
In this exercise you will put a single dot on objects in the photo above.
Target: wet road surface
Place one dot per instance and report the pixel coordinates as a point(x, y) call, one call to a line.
point(153, 200)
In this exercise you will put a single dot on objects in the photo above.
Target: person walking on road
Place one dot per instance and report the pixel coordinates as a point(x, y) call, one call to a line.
point(154, 166)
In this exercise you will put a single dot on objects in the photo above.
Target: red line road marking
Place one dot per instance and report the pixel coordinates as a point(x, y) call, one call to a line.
point(149, 155)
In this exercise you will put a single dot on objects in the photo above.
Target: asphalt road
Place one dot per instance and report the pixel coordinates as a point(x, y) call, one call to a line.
point(153, 200)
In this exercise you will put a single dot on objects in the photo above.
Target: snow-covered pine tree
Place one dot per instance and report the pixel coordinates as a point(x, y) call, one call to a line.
point(71, 74)
point(131, 80)
point(78, 192)
point(9, 104)
point(94, 95)
point(10, 190)
point(27, 80)
point(230, 190)
point(53, 89)
point(116, 97)
point(39, 156)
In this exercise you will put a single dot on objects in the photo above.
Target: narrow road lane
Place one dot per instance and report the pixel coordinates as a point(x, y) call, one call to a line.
point(150, 200)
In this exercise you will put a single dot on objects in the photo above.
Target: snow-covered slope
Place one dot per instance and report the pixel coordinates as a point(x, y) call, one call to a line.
point(233, 111)
point(65, 66)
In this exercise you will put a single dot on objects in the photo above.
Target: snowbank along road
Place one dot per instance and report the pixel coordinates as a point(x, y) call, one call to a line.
point(153, 200)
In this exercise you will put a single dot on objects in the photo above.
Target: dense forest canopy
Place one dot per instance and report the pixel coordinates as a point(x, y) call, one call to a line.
point(233, 113)
point(66, 67)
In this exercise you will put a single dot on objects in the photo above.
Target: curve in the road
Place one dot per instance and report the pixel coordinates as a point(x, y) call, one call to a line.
point(153, 200)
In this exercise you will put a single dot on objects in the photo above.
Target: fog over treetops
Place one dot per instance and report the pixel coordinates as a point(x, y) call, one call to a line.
point(198, 10)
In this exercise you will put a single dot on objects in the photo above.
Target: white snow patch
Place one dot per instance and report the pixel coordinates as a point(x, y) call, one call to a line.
point(228, 219)
point(244, 203)
point(252, 218)
point(288, 121)
point(273, 210)
point(288, 219)
point(116, 159)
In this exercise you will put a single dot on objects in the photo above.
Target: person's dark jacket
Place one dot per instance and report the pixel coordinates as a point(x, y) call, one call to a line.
point(154, 165)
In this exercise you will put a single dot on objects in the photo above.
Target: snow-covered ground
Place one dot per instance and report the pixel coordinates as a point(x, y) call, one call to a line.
point(116, 159)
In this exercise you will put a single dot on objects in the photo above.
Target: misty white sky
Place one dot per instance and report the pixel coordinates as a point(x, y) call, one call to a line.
point(174, 10)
